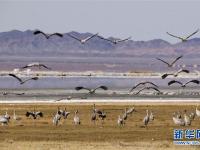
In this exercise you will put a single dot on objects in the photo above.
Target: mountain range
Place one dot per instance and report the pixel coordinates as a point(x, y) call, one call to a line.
point(25, 43)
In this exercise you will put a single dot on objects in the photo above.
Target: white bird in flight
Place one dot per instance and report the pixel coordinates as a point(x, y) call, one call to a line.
point(82, 41)
point(183, 39)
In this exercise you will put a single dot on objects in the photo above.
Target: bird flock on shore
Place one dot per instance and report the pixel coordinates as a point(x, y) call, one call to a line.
point(179, 119)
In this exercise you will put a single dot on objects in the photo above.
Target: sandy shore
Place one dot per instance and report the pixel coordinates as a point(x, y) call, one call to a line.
point(41, 134)
point(115, 145)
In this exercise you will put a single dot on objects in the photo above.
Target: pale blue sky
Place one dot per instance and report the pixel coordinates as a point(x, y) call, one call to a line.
point(143, 20)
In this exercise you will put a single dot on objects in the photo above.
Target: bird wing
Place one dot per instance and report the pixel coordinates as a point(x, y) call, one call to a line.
point(74, 37)
point(124, 39)
point(176, 59)
point(45, 66)
point(34, 78)
point(39, 113)
point(40, 32)
point(183, 70)
point(30, 65)
point(192, 81)
point(140, 90)
point(105, 38)
point(88, 38)
point(101, 87)
point(192, 34)
point(154, 88)
point(174, 81)
point(28, 113)
point(174, 36)
point(80, 88)
point(164, 75)
point(19, 93)
point(135, 87)
point(163, 61)
point(16, 77)
point(150, 83)
point(58, 34)
point(24, 67)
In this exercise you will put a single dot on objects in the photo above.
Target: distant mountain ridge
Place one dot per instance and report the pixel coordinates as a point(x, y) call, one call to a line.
point(19, 43)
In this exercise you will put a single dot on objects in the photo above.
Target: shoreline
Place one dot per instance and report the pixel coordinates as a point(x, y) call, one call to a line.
point(94, 74)
point(108, 102)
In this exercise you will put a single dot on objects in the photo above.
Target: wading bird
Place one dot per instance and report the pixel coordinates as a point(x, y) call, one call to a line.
point(76, 118)
point(115, 41)
point(178, 121)
point(125, 116)
point(34, 114)
point(57, 117)
point(142, 83)
point(36, 64)
point(130, 110)
point(149, 88)
point(7, 116)
point(15, 117)
point(192, 115)
point(91, 91)
point(172, 63)
point(65, 113)
point(97, 110)
point(22, 81)
point(146, 118)
point(102, 116)
point(3, 120)
point(93, 116)
point(83, 41)
point(151, 116)
point(183, 85)
point(183, 39)
point(120, 121)
point(197, 112)
point(187, 119)
point(47, 35)
point(176, 73)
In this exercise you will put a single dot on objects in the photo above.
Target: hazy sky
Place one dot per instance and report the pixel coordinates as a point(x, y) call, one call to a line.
point(141, 19)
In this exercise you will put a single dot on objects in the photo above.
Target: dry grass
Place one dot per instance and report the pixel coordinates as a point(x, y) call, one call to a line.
point(30, 134)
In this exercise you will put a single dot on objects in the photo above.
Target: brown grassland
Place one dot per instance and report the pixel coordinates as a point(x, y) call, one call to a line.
point(40, 134)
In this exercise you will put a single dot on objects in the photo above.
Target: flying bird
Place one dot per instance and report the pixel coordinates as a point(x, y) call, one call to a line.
point(148, 88)
point(37, 64)
point(142, 83)
point(22, 81)
point(175, 74)
point(183, 84)
point(172, 63)
point(183, 39)
point(47, 35)
point(91, 91)
point(115, 41)
point(82, 41)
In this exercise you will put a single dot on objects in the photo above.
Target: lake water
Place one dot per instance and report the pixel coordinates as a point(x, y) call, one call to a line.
point(69, 83)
